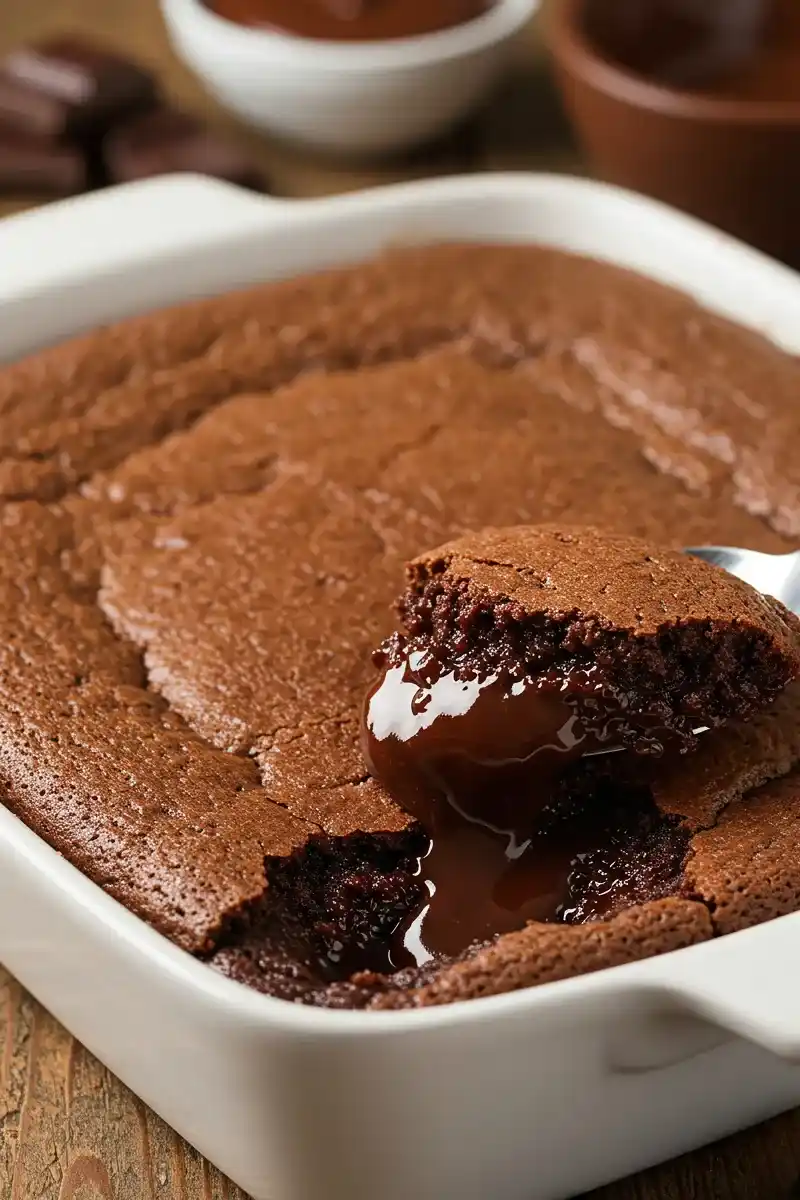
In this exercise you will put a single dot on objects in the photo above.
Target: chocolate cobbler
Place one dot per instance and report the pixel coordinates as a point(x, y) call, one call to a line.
point(568, 746)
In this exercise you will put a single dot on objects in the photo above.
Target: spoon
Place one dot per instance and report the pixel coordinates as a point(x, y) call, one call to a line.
point(775, 575)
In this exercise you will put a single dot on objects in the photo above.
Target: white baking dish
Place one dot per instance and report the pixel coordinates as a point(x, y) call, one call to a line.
point(530, 1096)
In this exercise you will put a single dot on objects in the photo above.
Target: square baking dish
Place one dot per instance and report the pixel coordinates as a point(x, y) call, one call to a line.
point(534, 1095)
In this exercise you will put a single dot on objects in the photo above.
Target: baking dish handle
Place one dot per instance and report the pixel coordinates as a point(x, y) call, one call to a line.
point(91, 233)
point(747, 983)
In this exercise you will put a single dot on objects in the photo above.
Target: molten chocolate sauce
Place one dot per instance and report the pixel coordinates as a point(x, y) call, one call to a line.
point(476, 759)
point(351, 20)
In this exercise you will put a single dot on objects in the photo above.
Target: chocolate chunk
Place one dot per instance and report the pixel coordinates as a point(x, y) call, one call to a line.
point(166, 140)
point(35, 166)
point(71, 89)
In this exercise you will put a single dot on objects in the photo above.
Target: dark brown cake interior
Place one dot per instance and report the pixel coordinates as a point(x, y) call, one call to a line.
point(325, 934)
point(679, 637)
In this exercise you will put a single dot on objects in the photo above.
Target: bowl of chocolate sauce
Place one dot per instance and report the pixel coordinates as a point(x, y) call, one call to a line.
point(694, 102)
point(353, 77)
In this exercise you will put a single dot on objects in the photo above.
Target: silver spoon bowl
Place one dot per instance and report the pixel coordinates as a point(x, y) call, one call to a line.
point(775, 575)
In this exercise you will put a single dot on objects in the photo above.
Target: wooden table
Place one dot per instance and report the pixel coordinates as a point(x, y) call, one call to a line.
point(68, 1129)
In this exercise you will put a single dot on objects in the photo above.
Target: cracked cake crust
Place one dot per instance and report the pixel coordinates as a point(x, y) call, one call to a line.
point(239, 479)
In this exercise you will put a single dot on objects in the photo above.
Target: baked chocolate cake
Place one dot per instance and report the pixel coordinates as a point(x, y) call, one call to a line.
point(204, 515)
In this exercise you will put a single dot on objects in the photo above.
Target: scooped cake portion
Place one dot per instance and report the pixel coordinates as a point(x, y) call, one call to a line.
point(527, 652)
point(649, 643)
point(204, 516)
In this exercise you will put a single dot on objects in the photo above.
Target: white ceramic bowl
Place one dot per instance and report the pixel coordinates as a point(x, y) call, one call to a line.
point(357, 98)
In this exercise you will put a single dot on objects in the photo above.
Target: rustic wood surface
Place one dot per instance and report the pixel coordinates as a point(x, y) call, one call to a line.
point(69, 1130)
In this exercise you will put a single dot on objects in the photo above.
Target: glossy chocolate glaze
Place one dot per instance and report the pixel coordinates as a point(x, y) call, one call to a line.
point(477, 759)
point(351, 20)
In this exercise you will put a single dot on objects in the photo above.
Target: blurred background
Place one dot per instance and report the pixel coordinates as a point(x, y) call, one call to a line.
point(696, 102)
point(519, 127)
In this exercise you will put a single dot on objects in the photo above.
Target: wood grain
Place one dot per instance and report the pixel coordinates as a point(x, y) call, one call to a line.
point(68, 1129)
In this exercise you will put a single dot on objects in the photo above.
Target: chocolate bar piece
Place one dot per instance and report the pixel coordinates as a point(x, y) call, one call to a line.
point(69, 89)
point(166, 140)
point(37, 166)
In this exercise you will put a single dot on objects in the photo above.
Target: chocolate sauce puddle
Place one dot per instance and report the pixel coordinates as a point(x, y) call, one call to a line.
point(477, 759)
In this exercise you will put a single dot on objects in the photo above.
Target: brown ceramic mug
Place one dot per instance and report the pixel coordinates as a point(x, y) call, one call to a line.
point(731, 160)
